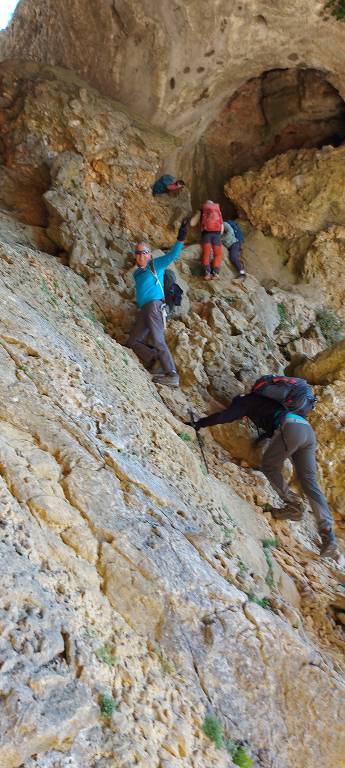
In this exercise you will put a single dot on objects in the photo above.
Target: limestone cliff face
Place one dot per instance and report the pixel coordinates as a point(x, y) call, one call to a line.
point(139, 594)
point(177, 64)
point(126, 570)
point(235, 82)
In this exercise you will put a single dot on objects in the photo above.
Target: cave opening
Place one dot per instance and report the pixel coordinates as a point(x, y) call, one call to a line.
point(280, 110)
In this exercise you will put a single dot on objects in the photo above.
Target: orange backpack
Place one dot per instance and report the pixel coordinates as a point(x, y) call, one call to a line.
point(211, 218)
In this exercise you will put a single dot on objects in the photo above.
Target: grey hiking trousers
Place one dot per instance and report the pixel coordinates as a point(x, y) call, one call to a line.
point(295, 440)
point(150, 321)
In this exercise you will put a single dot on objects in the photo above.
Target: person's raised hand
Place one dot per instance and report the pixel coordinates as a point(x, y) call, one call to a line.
point(183, 229)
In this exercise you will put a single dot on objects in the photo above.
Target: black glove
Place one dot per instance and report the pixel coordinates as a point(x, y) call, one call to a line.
point(182, 233)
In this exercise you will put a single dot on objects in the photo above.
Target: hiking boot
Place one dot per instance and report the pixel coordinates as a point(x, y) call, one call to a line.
point(293, 511)
point(168, 379)
point(328, 546)
point(214, 275)
point(241, 275)
point(207, 276)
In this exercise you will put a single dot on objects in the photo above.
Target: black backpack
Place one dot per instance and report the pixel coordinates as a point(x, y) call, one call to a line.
point(172, 291)
point(293, 394)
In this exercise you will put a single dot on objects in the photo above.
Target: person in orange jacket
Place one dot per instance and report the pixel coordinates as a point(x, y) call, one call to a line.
point(211, 224)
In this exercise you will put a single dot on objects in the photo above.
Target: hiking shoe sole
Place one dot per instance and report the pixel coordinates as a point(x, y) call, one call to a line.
point(286, 514)
point(167, 381)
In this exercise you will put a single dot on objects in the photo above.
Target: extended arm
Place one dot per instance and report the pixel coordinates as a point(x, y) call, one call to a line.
point(170, 256)
point(237, 410)
point(163, 261)
point(195, 219)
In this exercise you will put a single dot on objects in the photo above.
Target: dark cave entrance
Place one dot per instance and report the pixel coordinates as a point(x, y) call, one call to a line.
point(280, 110)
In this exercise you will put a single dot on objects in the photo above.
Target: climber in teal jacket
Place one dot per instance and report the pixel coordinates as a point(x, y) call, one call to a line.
point(149, 286)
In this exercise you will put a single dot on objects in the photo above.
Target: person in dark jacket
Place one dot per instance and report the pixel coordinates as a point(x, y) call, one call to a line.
point(292, 437)
point(149, 288)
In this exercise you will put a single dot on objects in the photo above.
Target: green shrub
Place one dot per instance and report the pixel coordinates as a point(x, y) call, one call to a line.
point(242, 567)
point(228, 532)
point(267, 543)
point(330, 325)
point(214, 730)
point(337, 8)
point(283, 314)
point(238, 754)
point(185, 436)
point(242, 759)
point(266, 507)
point(104, 654)
point(107, 704)
point(263, 601)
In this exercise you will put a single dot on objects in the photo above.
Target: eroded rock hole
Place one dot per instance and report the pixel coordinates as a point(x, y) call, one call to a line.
point(281, 110)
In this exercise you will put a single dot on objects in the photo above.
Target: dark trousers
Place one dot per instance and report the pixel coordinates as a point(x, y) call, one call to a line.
point(235, 253)
point(296, 441)
point(150, 322)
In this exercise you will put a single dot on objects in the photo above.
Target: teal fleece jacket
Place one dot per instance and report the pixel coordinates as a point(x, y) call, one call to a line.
point(147, 286)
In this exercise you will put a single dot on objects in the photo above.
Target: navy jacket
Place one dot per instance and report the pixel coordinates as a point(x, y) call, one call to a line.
point(262, 411)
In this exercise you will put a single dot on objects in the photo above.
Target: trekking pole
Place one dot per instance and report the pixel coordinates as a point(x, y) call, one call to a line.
point(199, 440)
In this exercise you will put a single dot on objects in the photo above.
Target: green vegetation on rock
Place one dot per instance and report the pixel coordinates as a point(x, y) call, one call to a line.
point(330, 325)
point(337, 8)
point(107, 705)
point(105, 655)
point(262, 601)
point(214, 730)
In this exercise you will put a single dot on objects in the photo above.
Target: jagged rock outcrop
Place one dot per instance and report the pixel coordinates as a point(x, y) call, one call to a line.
point(297, 197)
point(79, 169)
point(294, 194)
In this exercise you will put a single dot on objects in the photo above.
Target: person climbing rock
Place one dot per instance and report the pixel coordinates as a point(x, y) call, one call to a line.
point(149, 286)
point(167, 185)
point(231, 239)
point(211, 224)
point(291, 436)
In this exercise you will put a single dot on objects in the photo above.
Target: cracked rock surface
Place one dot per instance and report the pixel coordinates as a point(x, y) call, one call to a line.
point(113, 537)
point(139, 594)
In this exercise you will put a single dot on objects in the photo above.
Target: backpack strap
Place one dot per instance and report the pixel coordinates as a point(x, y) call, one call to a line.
point(155, 275)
